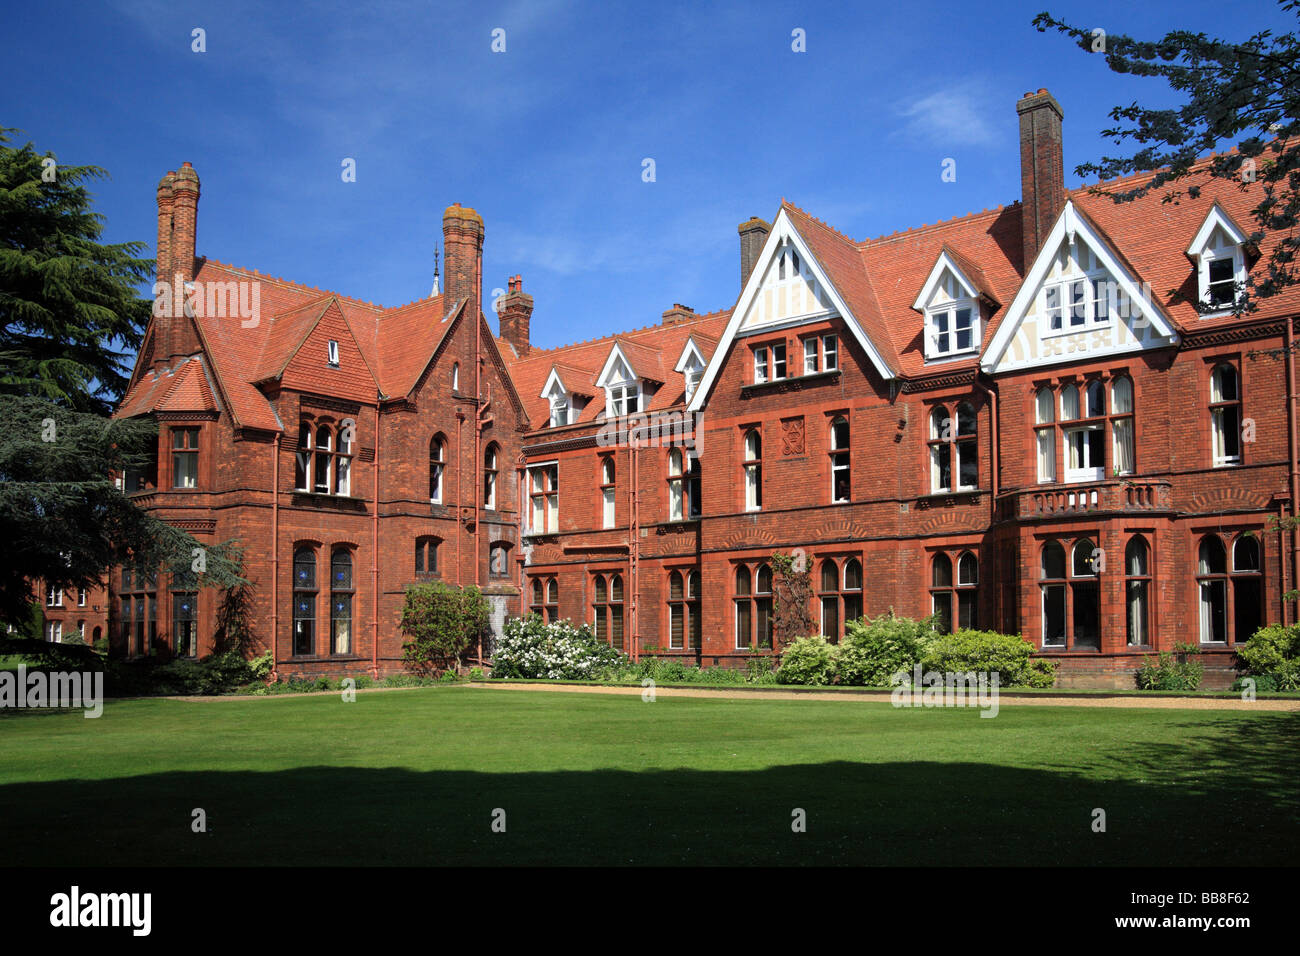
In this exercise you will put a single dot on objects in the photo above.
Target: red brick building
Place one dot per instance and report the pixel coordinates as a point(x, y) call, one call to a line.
point(1016, 419)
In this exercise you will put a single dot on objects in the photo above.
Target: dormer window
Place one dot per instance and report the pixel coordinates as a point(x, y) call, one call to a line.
point(624, 399)
point(692, 381)
point(559, 412)
point(949, 302)
point(953, 329)
point(1219, 255)
point(333, 353)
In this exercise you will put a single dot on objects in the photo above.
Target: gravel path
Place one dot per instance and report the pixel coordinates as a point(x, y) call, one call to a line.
point(1045, 700)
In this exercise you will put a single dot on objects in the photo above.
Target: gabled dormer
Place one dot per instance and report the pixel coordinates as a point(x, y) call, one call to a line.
point(949, 303)
point(691, 365)
point(564, 402)
point(1080, 300)
point(1218, 253)
point(627, 388)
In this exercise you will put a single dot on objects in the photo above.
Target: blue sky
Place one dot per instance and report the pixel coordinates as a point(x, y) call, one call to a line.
point(547, 139)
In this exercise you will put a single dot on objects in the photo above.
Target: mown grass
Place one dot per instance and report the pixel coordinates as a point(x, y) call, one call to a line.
point(413, 777)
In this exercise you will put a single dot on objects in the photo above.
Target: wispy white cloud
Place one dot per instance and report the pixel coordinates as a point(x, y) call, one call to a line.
point(957, 115)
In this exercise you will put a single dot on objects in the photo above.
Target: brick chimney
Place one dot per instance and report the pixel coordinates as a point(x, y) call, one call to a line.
point(516, 310)
point(185, 216)
point(678, 313)
point(753, 234)
point(178, 214)
point(462, 240)
point(1042, 172)
point(162, 327)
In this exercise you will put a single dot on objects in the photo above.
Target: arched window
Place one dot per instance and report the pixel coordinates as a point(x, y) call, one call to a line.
point(607, 608)
point(763, 606)
point(828, 593)
point(546, 598)
point(949, 440)
point(324, 445)
point(1212, 581)
point(139, 596)
point(840, 483)
point(302, 460)
point(684, 609)
point(1085, 594)
point(744, 605)
point(852, 590)
point(964, 589)
point(1137, 590)
point(426, 557)
point(343, 458)
point(1121, 425)
point(499, 559)
point(1247, 588)
point(185, 599)
point(1085, 444)
point(753, 470)
point(1045, 434)
point(437, 463)
point(341, 591)
point(304, 602)
point(607, 488)
point(1053, 585)
point(1225, 416)
point(676, 485)
point(941, 592)
point(490, 477)
point(940, 450)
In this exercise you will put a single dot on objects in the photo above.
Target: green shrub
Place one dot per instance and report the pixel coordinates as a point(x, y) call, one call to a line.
point(1269, 648)
point(561, 650)
point(441, 621)
point(1008, 655)
point(809, 660)
point(874, 650)
point(760, 671)
point(476, 673)
point(1180, 669)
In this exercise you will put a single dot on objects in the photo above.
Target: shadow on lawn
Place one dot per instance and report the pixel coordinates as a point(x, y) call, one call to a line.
point(1226, 801)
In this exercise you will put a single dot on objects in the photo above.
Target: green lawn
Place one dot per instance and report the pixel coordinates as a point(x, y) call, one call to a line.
point(412, 777)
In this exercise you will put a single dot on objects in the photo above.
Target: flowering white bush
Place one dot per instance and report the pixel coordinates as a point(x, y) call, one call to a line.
point(559, 651)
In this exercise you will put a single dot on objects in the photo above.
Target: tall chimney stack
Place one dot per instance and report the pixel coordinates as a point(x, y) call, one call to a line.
point(678, 313)
point(180, 337)
point(162, 326)
point(516, 310)
point(462, 241)
point(185, 215)
point(1042, 171)
point(753, 234)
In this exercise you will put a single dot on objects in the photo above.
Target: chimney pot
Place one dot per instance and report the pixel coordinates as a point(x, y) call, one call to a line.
point(753, 235)
point(515, 315)
point(1042, 171)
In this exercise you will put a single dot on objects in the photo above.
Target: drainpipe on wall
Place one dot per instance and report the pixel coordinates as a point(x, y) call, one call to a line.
point(1291, 453)
point(275, 553)
point(374, 564)
point(460, 460)
point(995, 468)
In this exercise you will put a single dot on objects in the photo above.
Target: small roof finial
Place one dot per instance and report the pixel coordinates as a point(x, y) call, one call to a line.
point(434, 293)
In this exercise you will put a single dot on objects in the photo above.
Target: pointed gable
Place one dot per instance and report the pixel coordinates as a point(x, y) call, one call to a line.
point(310, 370)
point(1081, 298)
point(806, 272)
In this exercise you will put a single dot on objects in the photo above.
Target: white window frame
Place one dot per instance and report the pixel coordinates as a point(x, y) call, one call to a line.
point(1093, 282)
point(546, 491)
point(1090, 471)
point(620, 397)
point(760, 365)
point(332, 353)
point(949, 311)
point(1213, 254)
point(811, 356)
point(607, 476)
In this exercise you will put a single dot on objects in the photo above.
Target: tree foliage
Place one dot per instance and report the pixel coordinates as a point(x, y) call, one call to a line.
point(442, 622)
point(70, 315)
point(1244, 95)
point(62, 519)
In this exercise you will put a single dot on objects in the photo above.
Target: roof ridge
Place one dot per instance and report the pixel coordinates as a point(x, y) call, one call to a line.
point(969, 217)
point(615, 335)
point(267, 277)
point(825, 225)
